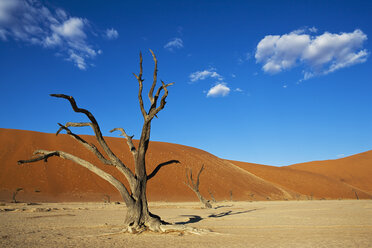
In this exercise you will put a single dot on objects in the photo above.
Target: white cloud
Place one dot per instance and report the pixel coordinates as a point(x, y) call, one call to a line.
point(238, 90)
point(201, 75)
point(61, 14)
point(112, 34)
point(174, 43)
point(52, 40)
point(308, 75)
point(31, 22)
point(280, 52)
point(71, 29)
point(313, 29)
point(218, 90)
point(338, 50)
point(7, 8)
point(320, 54)
point(78, 60)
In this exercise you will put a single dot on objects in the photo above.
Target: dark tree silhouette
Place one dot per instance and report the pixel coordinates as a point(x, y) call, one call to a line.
point(15, 193)
point(194, 186)
point(138, 216)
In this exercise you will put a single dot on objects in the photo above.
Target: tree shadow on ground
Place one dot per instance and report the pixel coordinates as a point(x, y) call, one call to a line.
point(223, 206)
point(192, 219)
point(230, 212)
point(197, 218)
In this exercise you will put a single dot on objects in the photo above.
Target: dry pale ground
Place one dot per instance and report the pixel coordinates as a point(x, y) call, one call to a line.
point(345, 223)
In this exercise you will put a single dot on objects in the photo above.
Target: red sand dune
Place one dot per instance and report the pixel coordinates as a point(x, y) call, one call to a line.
point(355, 170)
point(61, 180)
point(307, 183)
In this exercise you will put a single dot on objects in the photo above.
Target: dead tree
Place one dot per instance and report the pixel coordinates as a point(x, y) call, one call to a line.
point(15, 193)
point(212, 195)
point(194, 186)
point(106, 198)
point(138, 216)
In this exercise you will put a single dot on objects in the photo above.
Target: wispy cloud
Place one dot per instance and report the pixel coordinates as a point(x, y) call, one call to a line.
point(313, 29)
point(111, 34)
point(318, 55)
point(31, 22)
point(247, 56)
point(175, 43)
point(340, 155)
point(219, 89)
point(201, 75)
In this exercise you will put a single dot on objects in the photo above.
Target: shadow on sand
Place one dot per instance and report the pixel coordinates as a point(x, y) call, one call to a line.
point(223, 206)
point(197, 218)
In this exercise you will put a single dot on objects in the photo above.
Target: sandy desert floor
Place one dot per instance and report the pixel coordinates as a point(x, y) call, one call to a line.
point(345, 223)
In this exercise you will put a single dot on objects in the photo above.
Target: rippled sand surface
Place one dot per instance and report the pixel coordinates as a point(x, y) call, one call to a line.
point(346, 223)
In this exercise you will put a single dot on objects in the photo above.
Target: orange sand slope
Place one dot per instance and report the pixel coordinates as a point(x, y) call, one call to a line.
point(61, 180)
point(355, 171)
point(330, 179)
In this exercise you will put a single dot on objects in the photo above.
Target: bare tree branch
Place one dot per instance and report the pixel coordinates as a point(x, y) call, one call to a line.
point(151, 92)
point(77, 124)
point(90, 147)
point(153, 110)
point(198, 178)
point(94, 123)
point(140, 82)
point(153, 105)
point(97, 131)
point(158, 167)
point(191, 179)
point(188, 185)
point(138, 217)
point(44, 155)
point(194, 186)
point(132, 148)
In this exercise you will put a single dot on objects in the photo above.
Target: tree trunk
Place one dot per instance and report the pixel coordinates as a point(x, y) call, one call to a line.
point(138, 215)
point(203, 200)
point(194, 186)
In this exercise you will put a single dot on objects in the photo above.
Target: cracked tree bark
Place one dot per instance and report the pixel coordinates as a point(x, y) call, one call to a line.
point(138, 216)
point(194, 186)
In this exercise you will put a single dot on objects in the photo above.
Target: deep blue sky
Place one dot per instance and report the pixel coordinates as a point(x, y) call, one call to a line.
point(306, 96)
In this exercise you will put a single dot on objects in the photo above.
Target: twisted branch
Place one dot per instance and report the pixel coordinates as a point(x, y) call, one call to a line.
point(151, 92)
point(44, 155)
point(90, 147)
point(194, 186)
point(198, 177)
point(97, 131)
point(140, 82)
point(132, 148)
point(158, 167)
point(154, 110)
